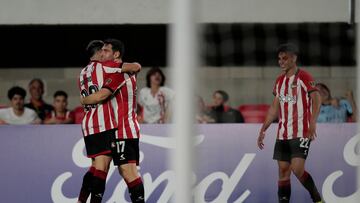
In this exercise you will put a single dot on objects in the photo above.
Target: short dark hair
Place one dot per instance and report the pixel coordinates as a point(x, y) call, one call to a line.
point(289, 48)
point(37, 80)
point(224, 94)
point(117, 45)
point(93, 47)
point(60, 93)
point(151, 72)
point(16, 91)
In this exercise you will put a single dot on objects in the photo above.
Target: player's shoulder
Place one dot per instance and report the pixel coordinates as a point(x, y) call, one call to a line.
point(111, 64)
point(280, 77)
point(303, 73)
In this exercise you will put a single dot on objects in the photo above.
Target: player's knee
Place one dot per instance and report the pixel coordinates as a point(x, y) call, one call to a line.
point(129, 173)
point(298, 172)
point(284, 172)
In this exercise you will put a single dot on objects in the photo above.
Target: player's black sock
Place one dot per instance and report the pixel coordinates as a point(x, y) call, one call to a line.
point(309, 184)
point(98, 186)
point(284, 191)
point(136, 190)
point(86, 185)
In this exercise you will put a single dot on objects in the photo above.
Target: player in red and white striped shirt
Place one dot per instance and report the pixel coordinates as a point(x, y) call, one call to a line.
point(297, 105)
point(98, 125)
point(123, 99)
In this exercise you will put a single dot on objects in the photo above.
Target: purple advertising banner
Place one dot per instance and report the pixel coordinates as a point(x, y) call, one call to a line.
point(46, 163)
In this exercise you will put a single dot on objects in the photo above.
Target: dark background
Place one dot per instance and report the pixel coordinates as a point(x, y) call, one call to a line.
point(235, 44)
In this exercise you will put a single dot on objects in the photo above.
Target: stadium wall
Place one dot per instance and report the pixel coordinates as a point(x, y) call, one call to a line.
point(157, 11)
point(245, 85)
point(237, 171)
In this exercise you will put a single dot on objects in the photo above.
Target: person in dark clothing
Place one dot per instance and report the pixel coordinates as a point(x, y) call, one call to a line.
point(36, 89)
point(222, 113)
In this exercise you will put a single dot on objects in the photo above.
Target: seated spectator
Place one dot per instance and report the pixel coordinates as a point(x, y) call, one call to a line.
point(222, 113)
point(335, 110)
point(60, 114)
point(155, 99)
point(36, 89)
point(202, 112)
point(17, 114)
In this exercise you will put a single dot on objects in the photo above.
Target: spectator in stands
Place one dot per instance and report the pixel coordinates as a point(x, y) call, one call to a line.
point(155, 99)
point(60, 114)
point(335, 110)
point(18, 114)
point(202, 112)
point(36, 89)
point(222, 113)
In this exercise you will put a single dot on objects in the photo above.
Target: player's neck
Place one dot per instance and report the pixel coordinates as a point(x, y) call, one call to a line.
point(290, 72)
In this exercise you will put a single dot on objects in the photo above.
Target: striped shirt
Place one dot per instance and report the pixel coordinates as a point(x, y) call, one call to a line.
point(99, 117)
point(295, 104)
point(124, 104)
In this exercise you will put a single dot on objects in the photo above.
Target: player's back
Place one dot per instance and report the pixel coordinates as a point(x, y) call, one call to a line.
point(123, 100)
point(98, 117)
point(128, 122)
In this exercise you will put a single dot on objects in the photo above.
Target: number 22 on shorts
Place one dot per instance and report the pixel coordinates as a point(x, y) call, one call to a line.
point(304, 142)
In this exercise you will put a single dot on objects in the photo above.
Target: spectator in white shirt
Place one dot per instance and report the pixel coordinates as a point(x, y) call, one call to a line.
point(155, 99)
point(17, 114)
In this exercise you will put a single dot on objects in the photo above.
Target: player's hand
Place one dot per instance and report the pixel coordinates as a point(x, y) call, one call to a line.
point(82, 100)
point(260, 140)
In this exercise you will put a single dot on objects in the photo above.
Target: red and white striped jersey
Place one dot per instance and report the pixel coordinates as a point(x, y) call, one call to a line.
point(124, 104)
point(99, 117)
point(295, 104)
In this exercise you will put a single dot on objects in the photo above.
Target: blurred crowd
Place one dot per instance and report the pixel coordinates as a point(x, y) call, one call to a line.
point(155, 106)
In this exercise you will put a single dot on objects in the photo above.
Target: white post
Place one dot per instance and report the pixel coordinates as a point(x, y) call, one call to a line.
point(183, 61)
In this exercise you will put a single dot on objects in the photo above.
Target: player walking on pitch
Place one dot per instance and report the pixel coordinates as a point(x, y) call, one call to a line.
point(297, 102)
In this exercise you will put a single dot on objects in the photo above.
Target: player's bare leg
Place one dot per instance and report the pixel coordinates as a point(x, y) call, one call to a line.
point(284, 186)
point(135, 185)
point(298, 168)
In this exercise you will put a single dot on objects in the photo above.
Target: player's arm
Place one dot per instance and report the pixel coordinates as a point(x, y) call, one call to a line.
point(316, 103)
point(96, 97)
point(270, 117)
point(130, 67)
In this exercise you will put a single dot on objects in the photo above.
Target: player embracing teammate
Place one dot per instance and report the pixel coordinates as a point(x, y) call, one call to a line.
point(110, 128)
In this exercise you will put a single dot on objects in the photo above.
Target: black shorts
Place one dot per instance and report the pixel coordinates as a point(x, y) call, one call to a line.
point(124, 151)
point(285, 150)
point(99, 144)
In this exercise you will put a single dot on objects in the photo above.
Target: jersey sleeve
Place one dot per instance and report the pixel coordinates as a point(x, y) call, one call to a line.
point(308, 81)
point(113, 81)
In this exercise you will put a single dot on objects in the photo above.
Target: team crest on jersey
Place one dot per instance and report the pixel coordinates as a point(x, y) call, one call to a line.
point(108, 81)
